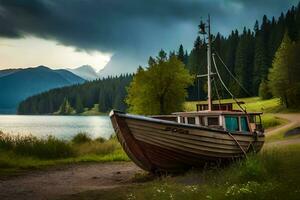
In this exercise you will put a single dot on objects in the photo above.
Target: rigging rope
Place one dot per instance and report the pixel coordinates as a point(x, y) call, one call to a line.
point(222, 82)
point(232, 74)
point(237, 142)
point(217, 93)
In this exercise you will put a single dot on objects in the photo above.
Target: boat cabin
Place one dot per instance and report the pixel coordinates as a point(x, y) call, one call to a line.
point(227, 119)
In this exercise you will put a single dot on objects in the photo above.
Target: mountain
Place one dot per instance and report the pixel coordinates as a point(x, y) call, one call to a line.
point(17, 85)
point(107, 92)
point(86, 72)
point(121, 64)
point(6, 72)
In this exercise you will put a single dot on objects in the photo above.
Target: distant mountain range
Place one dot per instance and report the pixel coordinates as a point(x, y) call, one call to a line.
point(18, 84)
point(86, 72)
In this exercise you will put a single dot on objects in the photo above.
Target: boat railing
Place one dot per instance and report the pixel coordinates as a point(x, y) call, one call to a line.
point(221, 106)
point(165, 117)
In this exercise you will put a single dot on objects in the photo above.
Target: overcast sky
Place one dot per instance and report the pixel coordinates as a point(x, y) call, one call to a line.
point(70, 33)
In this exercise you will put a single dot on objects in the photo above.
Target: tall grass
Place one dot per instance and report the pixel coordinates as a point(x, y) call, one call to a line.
point(29, 151)
point(49, 148)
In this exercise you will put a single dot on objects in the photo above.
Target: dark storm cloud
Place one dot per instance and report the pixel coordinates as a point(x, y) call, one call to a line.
point(140, 26)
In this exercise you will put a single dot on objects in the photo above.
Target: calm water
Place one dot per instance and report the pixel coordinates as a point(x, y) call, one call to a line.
point(60, 126)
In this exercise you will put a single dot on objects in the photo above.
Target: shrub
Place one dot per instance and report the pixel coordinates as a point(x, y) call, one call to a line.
point(81, 138)
point(100, 139)
point(264, 90)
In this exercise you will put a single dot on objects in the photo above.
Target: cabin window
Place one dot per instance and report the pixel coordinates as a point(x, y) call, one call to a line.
point(232, 123)
point(244, 124)
point(252, 118)
point(191, 120)
point(182, 120)
point(212, 121)
point(202, 121)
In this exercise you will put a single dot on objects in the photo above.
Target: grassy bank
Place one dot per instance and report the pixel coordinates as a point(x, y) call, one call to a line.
point(273, 174)
point(254, 104)
point(28, 152)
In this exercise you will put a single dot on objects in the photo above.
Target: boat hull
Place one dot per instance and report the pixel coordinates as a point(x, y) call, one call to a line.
point(159, 145)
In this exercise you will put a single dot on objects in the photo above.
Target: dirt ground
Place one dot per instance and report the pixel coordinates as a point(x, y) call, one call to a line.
point(56, 182)
point(294, 120)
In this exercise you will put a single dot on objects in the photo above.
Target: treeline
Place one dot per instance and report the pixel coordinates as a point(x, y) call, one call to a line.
point(108, 93)
point(248, 55)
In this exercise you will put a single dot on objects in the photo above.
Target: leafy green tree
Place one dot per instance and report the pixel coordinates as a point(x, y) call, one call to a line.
point(65, 107)
point(160, 88)
point(264, 90)
point(284, 75)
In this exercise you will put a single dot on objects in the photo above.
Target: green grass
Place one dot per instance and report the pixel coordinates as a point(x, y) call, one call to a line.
point(28, 152)
point(254, 104)
point(269, 121)
point(92, 111)
point(272, 174)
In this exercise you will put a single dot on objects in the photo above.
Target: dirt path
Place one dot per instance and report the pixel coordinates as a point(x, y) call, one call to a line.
point(53, 183)
point(294, 120)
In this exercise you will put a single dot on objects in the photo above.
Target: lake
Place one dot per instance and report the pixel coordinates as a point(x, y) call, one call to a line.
point(63, 127)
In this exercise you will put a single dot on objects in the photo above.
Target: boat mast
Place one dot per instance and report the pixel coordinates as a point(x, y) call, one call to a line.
point(202, 31)
point(209, 67)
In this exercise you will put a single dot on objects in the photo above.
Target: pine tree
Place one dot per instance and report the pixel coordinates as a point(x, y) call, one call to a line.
point(162, 56)
point(65, 107)
point(197, 62)
point(244, 63)
point(151, 61)
point(79, 107)
point(180, 54)
point(261, 65)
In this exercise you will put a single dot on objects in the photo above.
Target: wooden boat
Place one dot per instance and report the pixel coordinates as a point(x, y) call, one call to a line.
point(215, 133)
point(198, 139)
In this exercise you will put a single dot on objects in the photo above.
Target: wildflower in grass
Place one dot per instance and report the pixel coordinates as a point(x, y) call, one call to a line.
point(191, 188)
point(208, 197)
point(131, 196)
point(249, 188)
